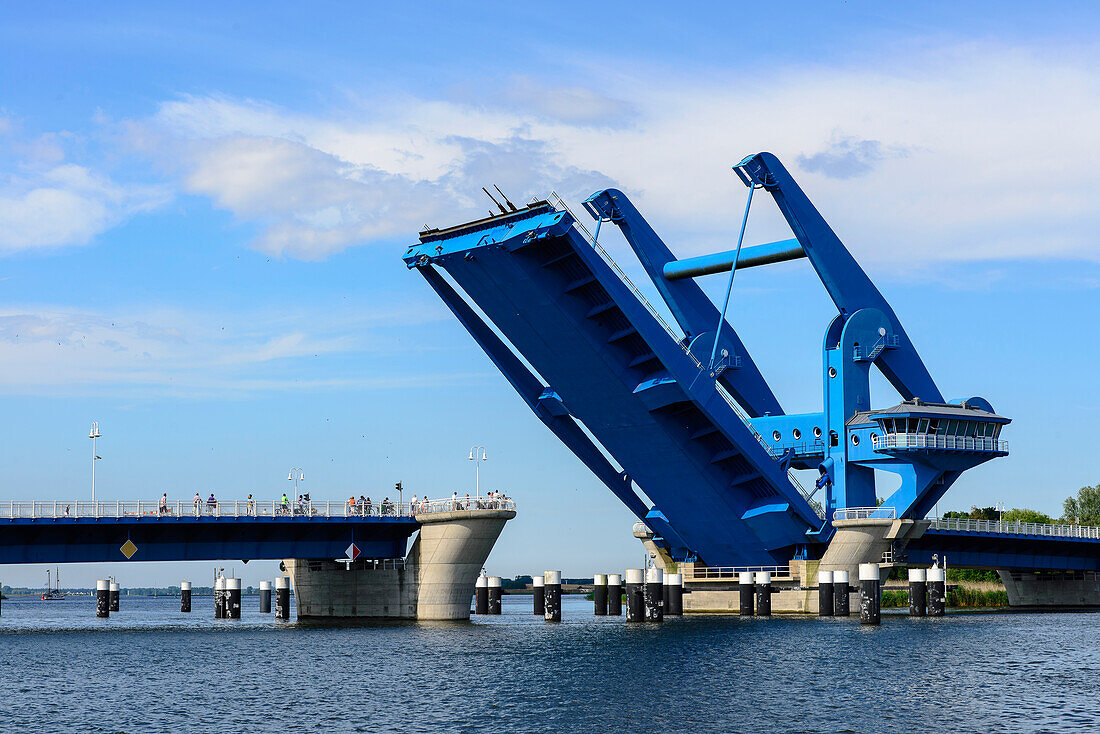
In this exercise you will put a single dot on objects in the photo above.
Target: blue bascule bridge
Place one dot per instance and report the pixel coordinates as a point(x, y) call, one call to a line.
point(680, 423)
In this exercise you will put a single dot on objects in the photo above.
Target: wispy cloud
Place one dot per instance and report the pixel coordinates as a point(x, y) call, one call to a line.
point(51, 349)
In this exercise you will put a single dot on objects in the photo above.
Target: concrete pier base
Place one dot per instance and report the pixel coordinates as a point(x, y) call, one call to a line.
point(865, 540)
point(435, 582)
point(1052, 588)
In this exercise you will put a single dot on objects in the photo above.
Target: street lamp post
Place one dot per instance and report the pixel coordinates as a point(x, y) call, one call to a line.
point(296, 475)
point(94, 434)
point(477, 455)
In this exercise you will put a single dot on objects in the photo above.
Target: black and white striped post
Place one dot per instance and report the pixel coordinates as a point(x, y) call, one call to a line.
point(282, 597)
point(841, 594)
point(219, 598)
point(185, 597)
point(102, 598)
point(870, 611)
point(481, 595)
point(552, 595)
point(674, 586)
point(654, 594)
point(494, 594)
point(918, 592)
point(615, 594)
point(635, 603)
point(937, 592)
point(599, 594)
point(746, 590)
point(538, 595)
point(265, 597)
point(114, 595)
point(825, 593)
point(763, 593)
point(232, 598)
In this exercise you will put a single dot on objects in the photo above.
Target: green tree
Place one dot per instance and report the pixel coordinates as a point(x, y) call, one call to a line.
point(1022, 514)
point(989, 514)
point(1083, 509)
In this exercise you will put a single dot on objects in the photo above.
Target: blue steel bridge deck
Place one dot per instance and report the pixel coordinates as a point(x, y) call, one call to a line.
point(609, 363)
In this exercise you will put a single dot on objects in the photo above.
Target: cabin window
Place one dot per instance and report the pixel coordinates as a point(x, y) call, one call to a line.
point(834, 440)
point(933, 425)
point(952, 427)
point(922, 427)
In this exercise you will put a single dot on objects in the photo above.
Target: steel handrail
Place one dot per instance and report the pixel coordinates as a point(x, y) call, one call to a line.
point(1015, 528)
point(865, 513)
point(938, 441)
point(120, 509)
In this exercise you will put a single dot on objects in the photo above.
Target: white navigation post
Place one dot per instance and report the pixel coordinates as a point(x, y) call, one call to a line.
point(477, 458)
point(94, 434)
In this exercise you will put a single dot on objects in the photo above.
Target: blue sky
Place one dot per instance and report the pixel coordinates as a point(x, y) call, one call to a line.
point(202, 212)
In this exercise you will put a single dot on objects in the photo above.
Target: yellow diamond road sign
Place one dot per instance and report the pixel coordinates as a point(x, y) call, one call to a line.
point(128, 549)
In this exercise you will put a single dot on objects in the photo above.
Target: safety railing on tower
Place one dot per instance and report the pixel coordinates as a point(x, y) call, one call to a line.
point(59, 509)
point(938, 442)
point(694, 572)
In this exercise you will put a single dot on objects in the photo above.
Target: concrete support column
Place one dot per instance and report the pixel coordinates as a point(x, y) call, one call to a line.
point(114, 590)
point(233, 598)
point(918, 592)
point(825, 593)
point(552, 595)
point(674, 585)
point(102, 598)
point(615, 594)
point(282, 597)
point(494, 594)
point(599, 594)
point(763, 594)
point(654, 594)
point(635, 604)
point(745, 589)
point(481, 595)
point(538, 595)
point(937, 592)
point(870, 611)
point(265, 597)
point(185, 596)
point(841, 594)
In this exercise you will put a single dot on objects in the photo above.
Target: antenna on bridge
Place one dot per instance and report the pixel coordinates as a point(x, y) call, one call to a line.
point(510, 204)
point(499, 205)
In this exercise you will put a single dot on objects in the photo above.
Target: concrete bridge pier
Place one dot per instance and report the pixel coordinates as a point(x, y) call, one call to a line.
point(864, 540)
point(434, 582)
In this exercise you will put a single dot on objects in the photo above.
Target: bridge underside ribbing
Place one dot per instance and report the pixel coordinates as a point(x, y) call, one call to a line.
point(82, 540)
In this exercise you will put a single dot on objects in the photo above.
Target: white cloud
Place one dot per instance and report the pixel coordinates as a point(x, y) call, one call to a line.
point(65, 204)
point(53, 349)
point(959, 153)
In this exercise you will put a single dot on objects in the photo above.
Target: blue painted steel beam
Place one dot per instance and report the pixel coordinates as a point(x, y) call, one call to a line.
point(843, 278)
point(539, 398)
point(693, 310)
point(79, 540)
point(1004, 550)
point(722, 262)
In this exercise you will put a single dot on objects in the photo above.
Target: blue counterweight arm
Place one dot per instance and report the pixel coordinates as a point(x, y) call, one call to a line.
point(693, 310)
point(843, 278)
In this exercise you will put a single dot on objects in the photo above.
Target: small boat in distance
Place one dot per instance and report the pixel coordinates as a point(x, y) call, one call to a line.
point(53, 593)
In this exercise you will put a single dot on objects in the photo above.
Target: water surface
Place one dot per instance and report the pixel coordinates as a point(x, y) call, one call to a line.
point(150, 668)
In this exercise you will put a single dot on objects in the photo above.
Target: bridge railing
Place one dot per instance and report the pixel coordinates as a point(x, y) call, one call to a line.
point(240, 508)
point(865, 513)
point(938, 442)
point(730, 573)
point(1015, 528)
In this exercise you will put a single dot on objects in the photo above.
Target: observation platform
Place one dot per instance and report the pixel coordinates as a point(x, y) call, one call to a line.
point(78, 531)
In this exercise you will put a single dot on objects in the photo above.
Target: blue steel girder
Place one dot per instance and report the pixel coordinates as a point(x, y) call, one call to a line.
point(561, 306)
point(693, 310)
point(843, 278)
point(1004, 551)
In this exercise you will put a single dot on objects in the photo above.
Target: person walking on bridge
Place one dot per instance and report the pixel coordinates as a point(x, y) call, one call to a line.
point(211, 504)
point(163, 508)
point(198, 503)
point(251, 505)
point(286, 504)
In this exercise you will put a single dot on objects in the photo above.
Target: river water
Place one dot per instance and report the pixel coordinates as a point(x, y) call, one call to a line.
point(150, 668)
